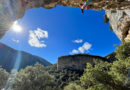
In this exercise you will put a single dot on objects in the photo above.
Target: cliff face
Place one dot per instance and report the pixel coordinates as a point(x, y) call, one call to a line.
point(76, 62)
point(120, 23)
point(11, 10)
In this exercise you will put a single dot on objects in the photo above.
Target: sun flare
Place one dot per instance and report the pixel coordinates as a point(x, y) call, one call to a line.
point(16, 27)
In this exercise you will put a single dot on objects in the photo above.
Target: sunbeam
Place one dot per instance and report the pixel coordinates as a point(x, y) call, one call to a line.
point(10, 9)
point(13, 74)
point(17, 28)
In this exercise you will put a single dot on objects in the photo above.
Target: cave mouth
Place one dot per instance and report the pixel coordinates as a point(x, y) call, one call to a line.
point(12, 13)
point(65, 31)
point(63, 23)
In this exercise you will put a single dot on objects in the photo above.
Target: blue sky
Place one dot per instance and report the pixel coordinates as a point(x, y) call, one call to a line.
point(63, 25)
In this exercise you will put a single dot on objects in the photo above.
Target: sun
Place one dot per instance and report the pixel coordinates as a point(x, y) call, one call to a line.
point(16, 27)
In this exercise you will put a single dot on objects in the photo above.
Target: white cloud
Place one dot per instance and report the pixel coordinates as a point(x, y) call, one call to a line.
point(78, 41)
point(36, 36)
point(41, 33)
point(85, 47)
point(74, 51)
point(14, 40)
point(82, 49)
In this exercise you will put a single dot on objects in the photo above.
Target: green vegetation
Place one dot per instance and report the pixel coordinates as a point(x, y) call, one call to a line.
point(96, 76)
point(111, 57)
point(3, 77)
point(113, 11)
point(34, 78)
point(64, 77)
point(108, 76)
point(101, 76)
point(8, 57)
point(123, 51)
point(106, 19)
point(73, 86)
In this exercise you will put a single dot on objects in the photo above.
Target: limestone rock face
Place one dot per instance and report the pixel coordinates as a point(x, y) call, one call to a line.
point(76, 62)
point(11, 10)
point(120, 23)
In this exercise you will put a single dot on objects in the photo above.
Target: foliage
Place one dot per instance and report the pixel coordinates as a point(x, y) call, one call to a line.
point(3, 77)
point(97, 75)
point(111, 57)
point(8, 57)
point(73, 86)
point(99, 87)
point(51, 69)
point(67, 76)
point(34, 78)
point(108, 76)
point(64, 77)
point(113, 11)
point(119, 71)
point(100, 76)
point(123, 51)
point(106, 19)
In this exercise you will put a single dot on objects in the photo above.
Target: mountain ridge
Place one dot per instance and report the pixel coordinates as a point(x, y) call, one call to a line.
point(8, 58)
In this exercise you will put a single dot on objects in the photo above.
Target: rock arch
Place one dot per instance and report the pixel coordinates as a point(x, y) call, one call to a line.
point(19, 7)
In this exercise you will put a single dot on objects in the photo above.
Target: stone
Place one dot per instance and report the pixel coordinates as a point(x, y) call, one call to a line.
point(12, 10)
point(120, 22)
point(77, 62)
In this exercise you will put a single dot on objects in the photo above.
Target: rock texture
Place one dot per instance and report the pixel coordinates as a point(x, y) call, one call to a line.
point(120, 23)
point(11, 10)
point(77, 62)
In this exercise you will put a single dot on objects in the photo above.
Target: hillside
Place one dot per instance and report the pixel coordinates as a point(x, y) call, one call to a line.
point(8, 58)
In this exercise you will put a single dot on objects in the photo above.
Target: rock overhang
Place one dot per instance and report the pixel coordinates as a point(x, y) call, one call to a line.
point(121, 28)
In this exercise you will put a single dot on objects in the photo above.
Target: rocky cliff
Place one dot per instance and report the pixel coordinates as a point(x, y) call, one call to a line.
point(120, 23)
point(77, 62)
point(11, 10)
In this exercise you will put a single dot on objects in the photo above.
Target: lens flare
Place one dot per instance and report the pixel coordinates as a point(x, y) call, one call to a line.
point(16, 27)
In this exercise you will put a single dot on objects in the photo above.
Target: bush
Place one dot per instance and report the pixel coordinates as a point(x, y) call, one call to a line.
point(106, 76)
point(73, 86)
point(3, 77)
point(123, 51)
point(34, 78)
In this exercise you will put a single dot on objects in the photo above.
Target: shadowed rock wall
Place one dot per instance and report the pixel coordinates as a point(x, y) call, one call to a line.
point(77, 62)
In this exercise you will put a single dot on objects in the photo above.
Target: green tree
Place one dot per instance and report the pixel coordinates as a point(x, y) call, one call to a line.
point(97, 75)
point(123, 51)
point(119, 72)
point(119, 69)
point(3, 77)
point(106, 76)
point(73, 86)
point(64, 77)
point(99, 87)
point(34, 78)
